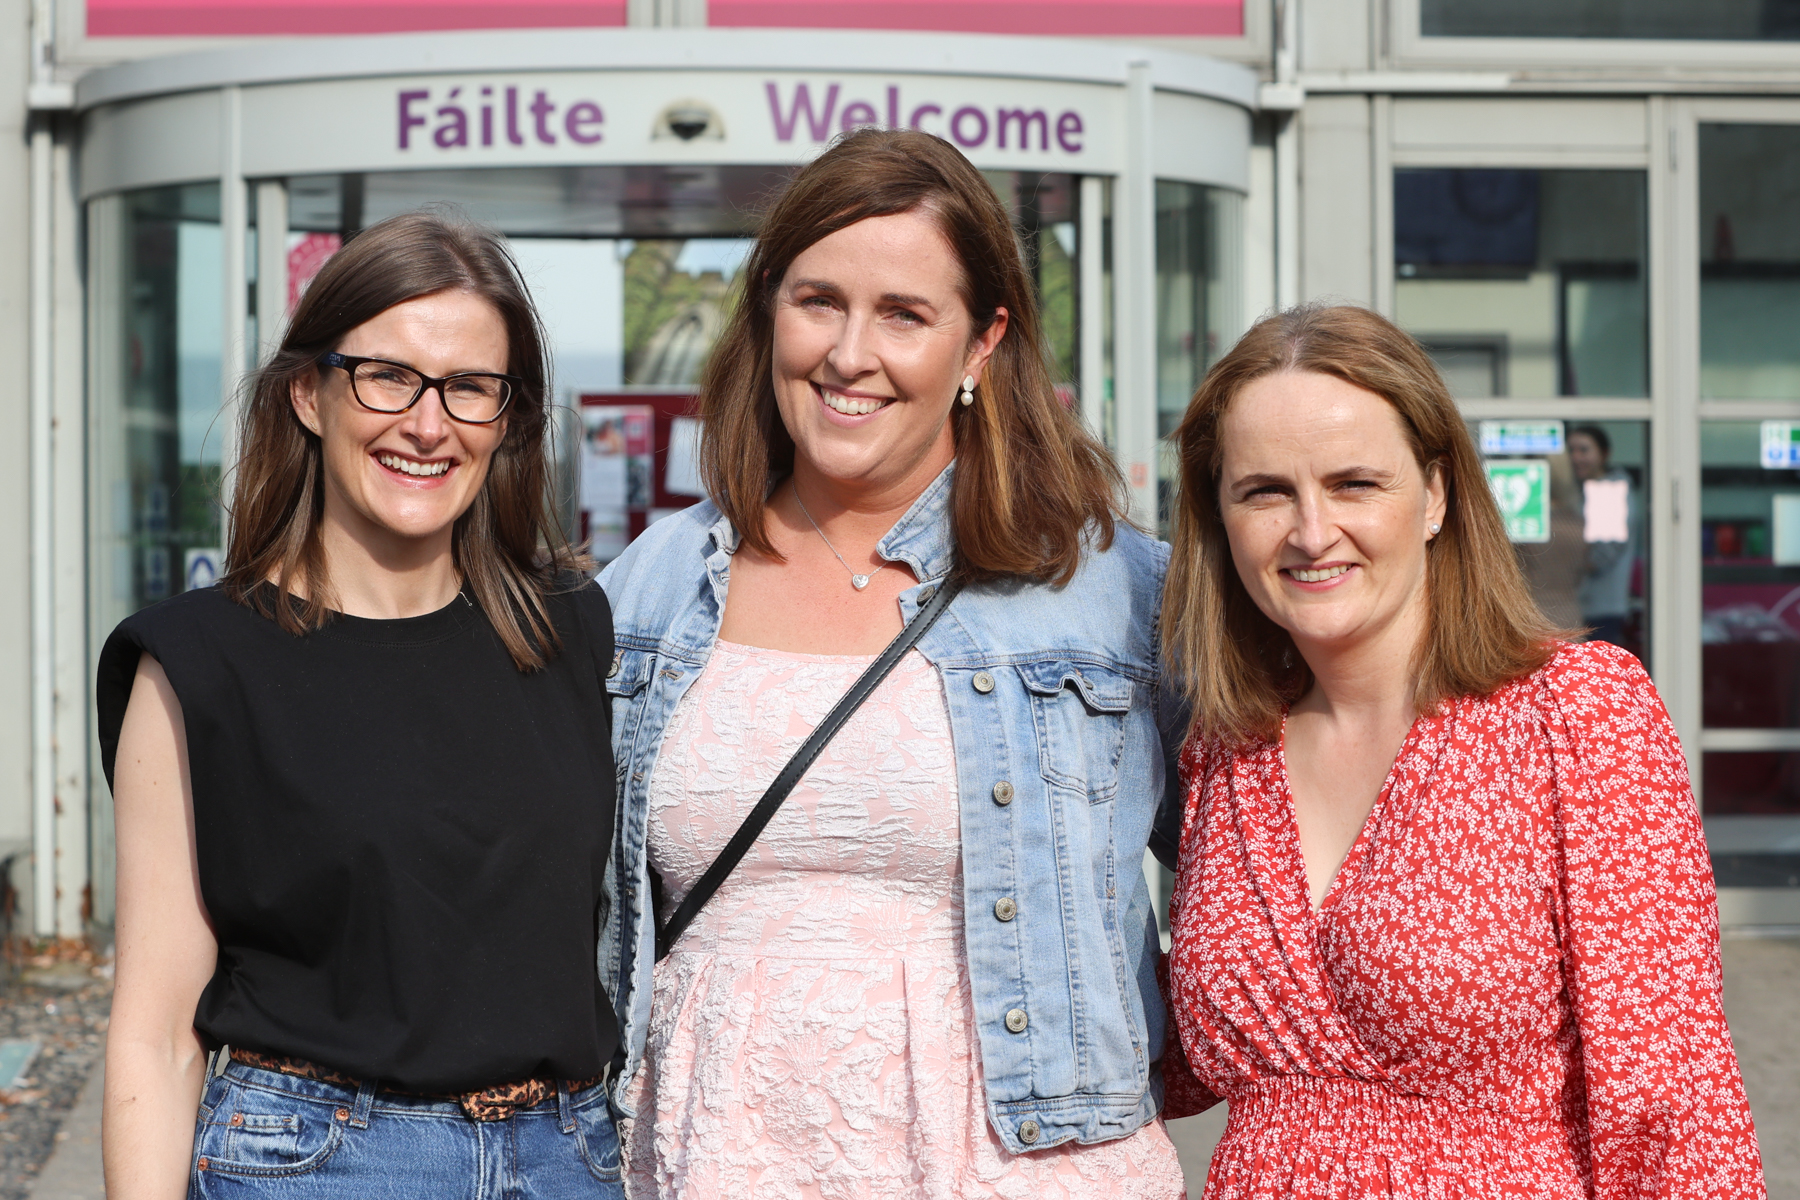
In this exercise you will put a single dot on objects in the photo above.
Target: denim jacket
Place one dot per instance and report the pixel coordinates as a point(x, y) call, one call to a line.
point(1064, 745)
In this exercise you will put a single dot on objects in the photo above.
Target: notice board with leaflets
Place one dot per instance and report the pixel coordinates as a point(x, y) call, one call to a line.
point(637, 461)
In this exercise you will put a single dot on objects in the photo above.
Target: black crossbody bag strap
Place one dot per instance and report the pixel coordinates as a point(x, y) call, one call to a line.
point(752, 828)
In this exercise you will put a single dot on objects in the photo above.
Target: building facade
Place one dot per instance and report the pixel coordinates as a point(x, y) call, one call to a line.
point(1584, 211)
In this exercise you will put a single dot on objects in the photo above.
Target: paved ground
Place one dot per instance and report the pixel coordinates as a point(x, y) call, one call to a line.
point(64, 1010)
point(1762, 986)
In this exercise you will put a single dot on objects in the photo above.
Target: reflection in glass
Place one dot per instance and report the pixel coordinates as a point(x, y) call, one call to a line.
point(1752, 802)
point(1750, 582)
point(1749, 261)
point(1701, 20)
point(597, 201)
point(1525, 282)
point(676, 296)
point(578, 286)
point(1196, 289)
point(1045, 211)
point(1587, 559)
point(675, 237)
point(1197, 296)
point(157, 267)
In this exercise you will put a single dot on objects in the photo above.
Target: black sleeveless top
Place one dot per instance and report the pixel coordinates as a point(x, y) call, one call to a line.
point(402, 838)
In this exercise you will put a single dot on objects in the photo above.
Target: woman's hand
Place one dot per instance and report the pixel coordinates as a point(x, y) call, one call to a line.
point(155, 1064)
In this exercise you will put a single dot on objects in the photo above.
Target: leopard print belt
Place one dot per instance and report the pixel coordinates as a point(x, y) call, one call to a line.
point(495, 1103)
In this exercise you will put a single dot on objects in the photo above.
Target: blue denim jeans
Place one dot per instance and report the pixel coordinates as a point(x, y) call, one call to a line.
point(263, 1134)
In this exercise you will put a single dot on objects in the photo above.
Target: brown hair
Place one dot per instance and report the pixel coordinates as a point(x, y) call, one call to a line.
point(1238, 668)
point(1030, 480)
point(508, 546)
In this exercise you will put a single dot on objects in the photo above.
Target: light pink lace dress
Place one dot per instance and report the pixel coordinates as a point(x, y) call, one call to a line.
point(811, 1034)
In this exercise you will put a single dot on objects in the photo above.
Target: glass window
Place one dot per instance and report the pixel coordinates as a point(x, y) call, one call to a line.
point(1752, 818)
point(1750, 576)
point(1572, 493)
point(1703, 20)
point(1750, 645)
point(633, 267)
point(676, 296)
point(1749, 261)
point(636, 202)
point(1046, 210)
point(158, 286)
point(1196, 289)
point(1197, 298)
point(1525, 282)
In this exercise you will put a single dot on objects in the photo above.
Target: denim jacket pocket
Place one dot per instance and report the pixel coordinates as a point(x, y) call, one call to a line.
point(1079, 709)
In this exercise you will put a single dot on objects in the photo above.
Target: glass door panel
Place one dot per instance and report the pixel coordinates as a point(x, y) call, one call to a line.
point(1575, 509)
point(158, 280)
point(1750, 581)
point(1753, 817)
point(1198, 293)
point(1750, 649)
point(1525, 282)
point(1749, 240)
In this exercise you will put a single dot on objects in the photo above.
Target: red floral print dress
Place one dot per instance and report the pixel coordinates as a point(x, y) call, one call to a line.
point(1512, 986)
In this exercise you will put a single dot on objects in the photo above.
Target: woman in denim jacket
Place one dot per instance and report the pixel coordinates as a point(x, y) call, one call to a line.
point(936, 969)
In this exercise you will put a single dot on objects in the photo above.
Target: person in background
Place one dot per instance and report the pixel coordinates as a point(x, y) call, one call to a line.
point(1605, 591)
point(364, 787)
point(933, 976)
point(1444, 920)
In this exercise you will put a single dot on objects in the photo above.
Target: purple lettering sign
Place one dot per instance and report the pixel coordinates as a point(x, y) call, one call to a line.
point(815, 112)
point(454, 125)
point(806, 113)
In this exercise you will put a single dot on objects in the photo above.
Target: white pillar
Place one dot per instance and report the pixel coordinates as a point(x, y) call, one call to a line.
point(43, 689)
point(271, 266)
point(233, 233)
point(1134, 283)
point(1287, 161)
point(1095, 303)
point(83, 870)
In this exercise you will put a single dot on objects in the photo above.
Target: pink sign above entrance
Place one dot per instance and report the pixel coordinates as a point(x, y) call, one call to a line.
point(1066, 18)
point(232, 18)
point(236, 18)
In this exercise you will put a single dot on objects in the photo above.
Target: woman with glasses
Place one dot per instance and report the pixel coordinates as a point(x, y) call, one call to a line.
point(363, 787)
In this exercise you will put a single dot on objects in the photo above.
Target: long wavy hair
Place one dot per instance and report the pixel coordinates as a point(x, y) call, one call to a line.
point(1031, 482)
point(1239, 669)
point(509, 546)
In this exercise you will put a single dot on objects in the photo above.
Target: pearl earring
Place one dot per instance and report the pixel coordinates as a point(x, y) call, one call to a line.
point(968, 391)
point(1436, 529)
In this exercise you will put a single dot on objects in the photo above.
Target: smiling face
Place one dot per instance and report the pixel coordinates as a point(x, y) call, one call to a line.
point(402, 479)
point(872, 341)
point(1327, 512)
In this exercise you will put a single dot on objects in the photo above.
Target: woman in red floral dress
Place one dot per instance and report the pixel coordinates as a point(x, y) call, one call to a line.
point(1444, 919)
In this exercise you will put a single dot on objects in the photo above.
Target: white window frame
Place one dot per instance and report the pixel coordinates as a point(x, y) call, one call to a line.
point(1410, 48)
point(1689, 115)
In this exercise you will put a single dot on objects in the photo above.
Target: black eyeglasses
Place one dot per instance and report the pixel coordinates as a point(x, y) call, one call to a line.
point(472, 397)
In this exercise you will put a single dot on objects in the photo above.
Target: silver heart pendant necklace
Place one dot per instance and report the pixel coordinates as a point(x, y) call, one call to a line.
point(859, 582)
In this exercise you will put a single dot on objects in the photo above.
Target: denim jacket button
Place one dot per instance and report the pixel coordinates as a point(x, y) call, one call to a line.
point(618, 662)
point(1029, 1131)
point(926, 593)
point(1003, 793)
point(1016, 1020)
point(984, 683)
point(1005, 908)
